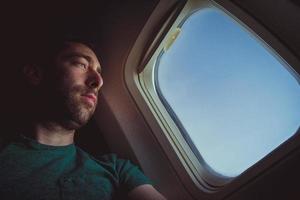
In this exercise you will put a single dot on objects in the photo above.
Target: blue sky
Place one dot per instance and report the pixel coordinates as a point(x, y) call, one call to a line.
point(236, 100)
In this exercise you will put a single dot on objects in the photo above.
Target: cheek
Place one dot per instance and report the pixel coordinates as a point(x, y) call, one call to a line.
point(73, 78)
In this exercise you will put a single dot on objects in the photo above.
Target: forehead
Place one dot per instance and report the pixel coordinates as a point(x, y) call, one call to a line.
point(78, 49)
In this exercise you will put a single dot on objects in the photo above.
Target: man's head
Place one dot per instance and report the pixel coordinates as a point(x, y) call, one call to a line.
point(66, 86)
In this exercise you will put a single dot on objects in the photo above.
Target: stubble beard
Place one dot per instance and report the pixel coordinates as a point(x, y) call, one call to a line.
point(77, 111)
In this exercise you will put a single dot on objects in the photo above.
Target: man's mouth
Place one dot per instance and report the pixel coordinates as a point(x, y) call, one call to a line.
point(90, 97)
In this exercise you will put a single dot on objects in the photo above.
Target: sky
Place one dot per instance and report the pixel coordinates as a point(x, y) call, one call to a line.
point(234, 96)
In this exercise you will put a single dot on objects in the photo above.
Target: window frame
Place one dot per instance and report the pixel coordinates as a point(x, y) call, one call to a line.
point(142, 88)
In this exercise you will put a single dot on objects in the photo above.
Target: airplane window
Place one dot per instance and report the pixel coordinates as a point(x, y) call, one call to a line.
point(234, 99)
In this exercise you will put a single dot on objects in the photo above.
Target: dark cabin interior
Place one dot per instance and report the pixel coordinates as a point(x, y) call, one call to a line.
point(27, 22)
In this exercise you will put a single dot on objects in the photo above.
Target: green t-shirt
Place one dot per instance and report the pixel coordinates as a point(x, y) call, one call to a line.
point(30, 170)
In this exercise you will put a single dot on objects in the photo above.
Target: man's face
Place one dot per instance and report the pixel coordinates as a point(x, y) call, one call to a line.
point(75, 81)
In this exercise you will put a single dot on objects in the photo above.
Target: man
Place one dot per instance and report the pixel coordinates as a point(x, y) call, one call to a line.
point(44, 163)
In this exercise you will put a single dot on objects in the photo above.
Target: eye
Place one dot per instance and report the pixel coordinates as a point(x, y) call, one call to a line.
point(99, 70)
point(79, 62)
point(82, 65)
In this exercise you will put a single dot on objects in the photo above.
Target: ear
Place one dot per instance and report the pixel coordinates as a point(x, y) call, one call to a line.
point(33, 74)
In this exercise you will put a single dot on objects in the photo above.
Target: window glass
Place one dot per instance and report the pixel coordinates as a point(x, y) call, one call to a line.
point(232, 98)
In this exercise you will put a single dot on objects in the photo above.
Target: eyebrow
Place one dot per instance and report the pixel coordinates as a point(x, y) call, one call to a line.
point(88, 58)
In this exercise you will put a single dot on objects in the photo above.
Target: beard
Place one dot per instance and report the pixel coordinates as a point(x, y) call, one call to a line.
point(77, 111)
point(64, 105)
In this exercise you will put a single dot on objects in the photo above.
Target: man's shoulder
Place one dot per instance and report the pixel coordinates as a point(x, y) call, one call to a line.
point(111, 162)
point(110, 159)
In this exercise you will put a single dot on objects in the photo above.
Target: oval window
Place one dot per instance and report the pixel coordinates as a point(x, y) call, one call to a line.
point(234, 100)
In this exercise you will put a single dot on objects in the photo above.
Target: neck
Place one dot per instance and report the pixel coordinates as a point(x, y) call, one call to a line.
point(51, 133)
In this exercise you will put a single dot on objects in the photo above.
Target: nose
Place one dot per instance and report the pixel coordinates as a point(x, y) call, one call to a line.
point(94, 80)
